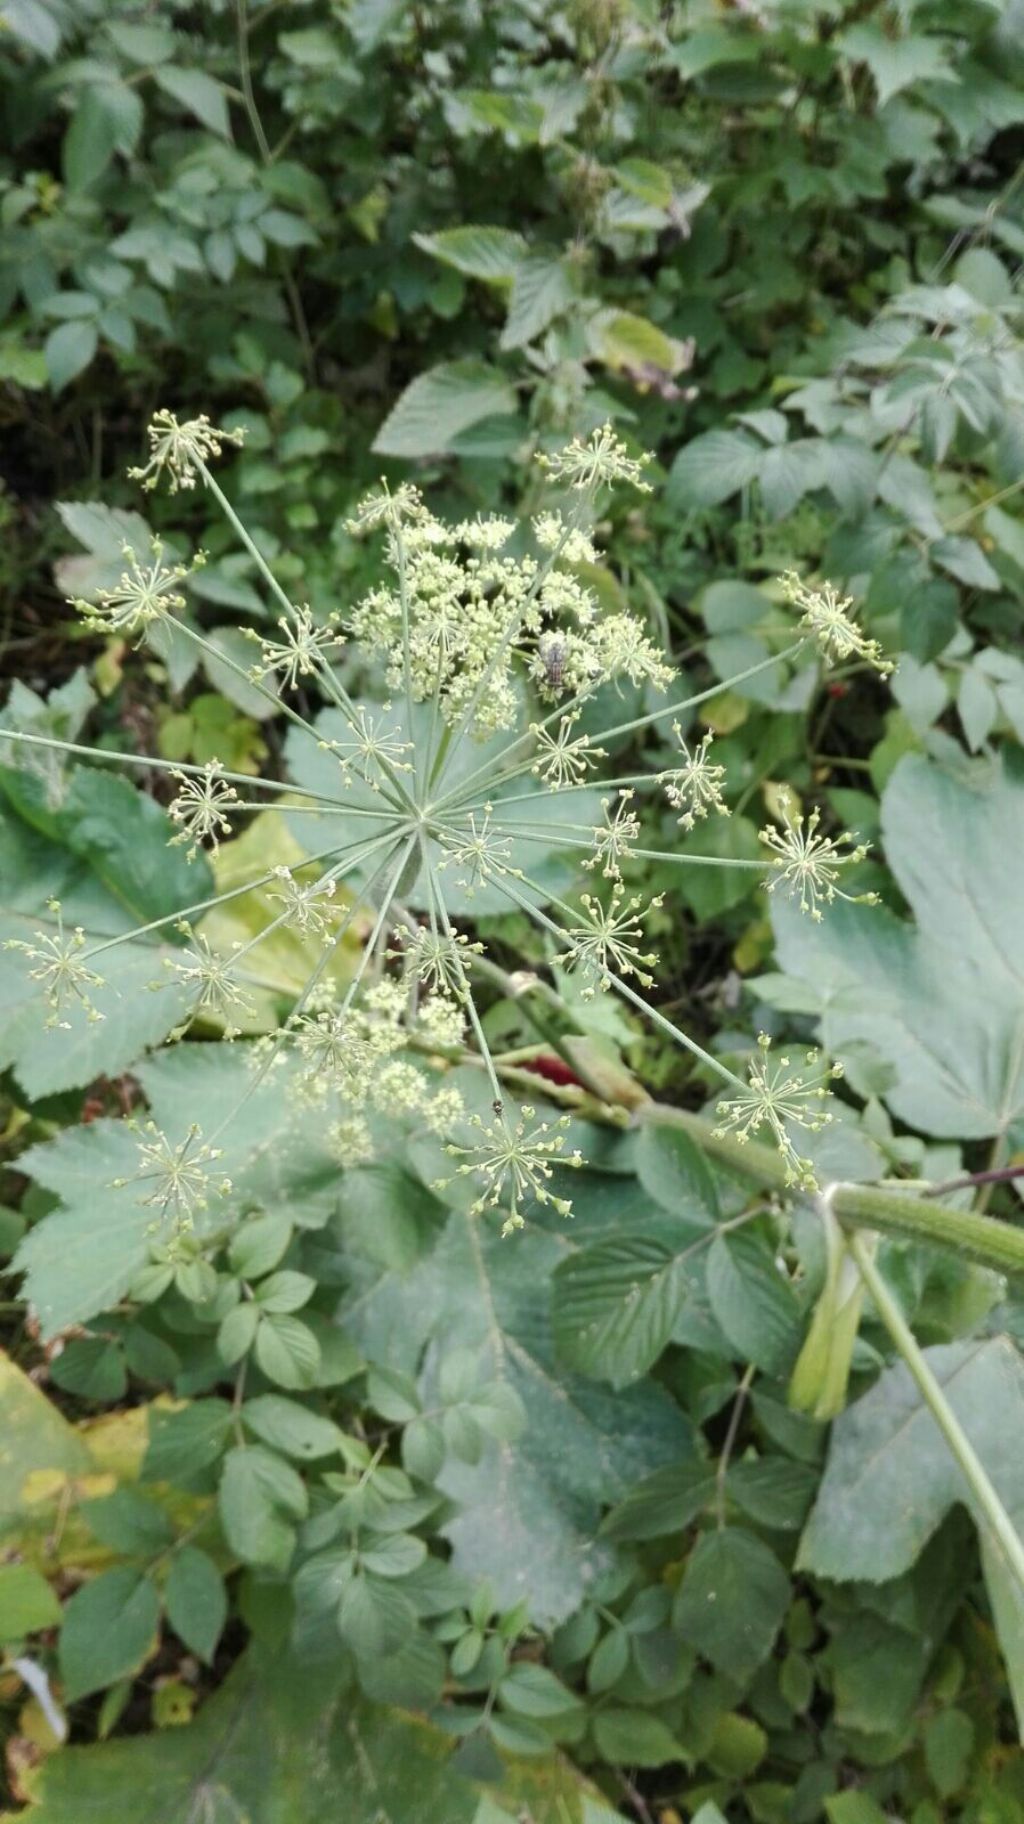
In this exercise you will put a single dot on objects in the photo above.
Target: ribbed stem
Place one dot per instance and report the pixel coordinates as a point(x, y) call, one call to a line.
point(865, 1206)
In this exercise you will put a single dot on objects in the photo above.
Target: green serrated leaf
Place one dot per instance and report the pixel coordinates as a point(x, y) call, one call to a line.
point(196, 1600)
point(439, 404)
point(752, 1300)
point(109, 1629)
point(261, 1497)
point(890, 1478)
point(732, 1601)
point(485, 253)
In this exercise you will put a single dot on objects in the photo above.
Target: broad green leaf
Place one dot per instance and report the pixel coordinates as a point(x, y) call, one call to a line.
point(774, 1491)
point(82, 1258)
point(93, 1367)
point(196, 1600)
point(732, 1600)
point(145, 44)
point(617, 1304)
point(199, 93)
point(129, 1522)
point(374, 1617)
point(439, 404)
point(897, 63)
point(101, 848)
point(667, 1502)
point(68, 349)
point(109, 1629)
point(940, 1002)
point(674, 1171)
point(542, 289)
point(948, 1746)
point(91, 139)
point(259, 1244)
point(532, 1690)
point(752, 1300)
point(290, 1427)
point(185, 1443)
point(277, 1741)
point(788, 472)
point(527, 1513)
point(635, 1738)
point(288, 1352)
point(27, 1603)
point(285, 1291)
point(34, 1436)
point(625, 340)
point(261, 1498)
point(891, 1478)
point(854, 1808)
point(713, 466)
point(485, 253)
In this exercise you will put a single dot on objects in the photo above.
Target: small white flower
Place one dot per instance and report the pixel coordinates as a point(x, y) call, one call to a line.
point(143, 594)
point(563, 759)
point(182, 449)
point(368, 747)
point(441, 1022)
point(808, 865)
point(200, 807)
point(384, 508)
point(303, 650)
point(181, 1179)
point(826, 616)
point(515, 1164)
point(59, 968)
point(437, 961)
point(481, 849)
point(602, 458)
point(780, 1093)
point(616, 838)
point(487, 533)
point(350, 1141)
point(210, 978)
point(573, 545)
point(695, 788)
point(608, 940)
point(306, 908)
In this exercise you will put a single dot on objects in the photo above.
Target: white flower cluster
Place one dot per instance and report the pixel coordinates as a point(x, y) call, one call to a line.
point(356, 1057)
point(461, 617)
point(498, 632)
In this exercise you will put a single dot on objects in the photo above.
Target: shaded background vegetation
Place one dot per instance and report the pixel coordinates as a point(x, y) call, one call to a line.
point(779, 246)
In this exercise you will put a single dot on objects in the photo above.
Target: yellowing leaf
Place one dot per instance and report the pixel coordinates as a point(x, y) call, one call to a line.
point(287, 958)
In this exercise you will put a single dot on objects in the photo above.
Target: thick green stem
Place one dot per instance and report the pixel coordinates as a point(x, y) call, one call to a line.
point(866, 1206)
point(1004, 1535)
